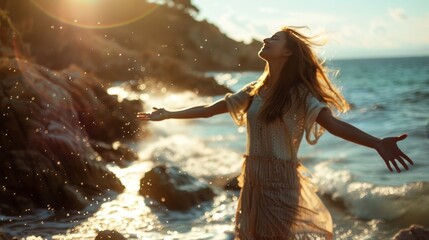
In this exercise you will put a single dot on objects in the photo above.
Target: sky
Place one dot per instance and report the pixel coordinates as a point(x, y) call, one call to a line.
point(352, 29)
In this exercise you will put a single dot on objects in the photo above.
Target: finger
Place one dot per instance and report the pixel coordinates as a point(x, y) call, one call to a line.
point(146, 115)
point(400, 160)
point(396, 166)
point(403, 155)
point(144, 118)
point(402, 137)
point(388, 166)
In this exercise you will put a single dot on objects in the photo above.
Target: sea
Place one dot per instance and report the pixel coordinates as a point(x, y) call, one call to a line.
point(389, 97)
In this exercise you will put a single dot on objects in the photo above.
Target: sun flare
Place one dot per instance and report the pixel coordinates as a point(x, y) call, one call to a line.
point(95, 13)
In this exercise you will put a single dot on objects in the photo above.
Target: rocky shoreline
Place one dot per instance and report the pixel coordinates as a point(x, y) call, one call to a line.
point(60, 127)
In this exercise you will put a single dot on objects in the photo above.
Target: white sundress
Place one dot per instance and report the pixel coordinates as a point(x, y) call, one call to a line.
point(276, 201)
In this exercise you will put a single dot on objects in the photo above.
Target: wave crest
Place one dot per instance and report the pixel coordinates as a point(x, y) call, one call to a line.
point(406, 204)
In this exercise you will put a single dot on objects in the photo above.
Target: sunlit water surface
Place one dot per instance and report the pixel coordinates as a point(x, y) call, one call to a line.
point(389, 97)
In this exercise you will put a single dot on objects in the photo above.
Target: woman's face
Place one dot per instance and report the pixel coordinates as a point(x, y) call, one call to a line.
point(274, 48)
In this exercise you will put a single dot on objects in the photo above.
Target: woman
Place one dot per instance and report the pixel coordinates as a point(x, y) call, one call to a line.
point(292, 97)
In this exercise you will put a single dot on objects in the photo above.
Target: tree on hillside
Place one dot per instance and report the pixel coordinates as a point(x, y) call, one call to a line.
point(184, 5)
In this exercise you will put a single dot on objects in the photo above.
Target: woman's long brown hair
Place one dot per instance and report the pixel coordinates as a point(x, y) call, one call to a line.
point(302, 70)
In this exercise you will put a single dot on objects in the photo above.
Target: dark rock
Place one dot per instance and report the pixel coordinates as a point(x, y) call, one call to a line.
point(115, 153)
point(199, 44)
point(46, 155)
point(178, 77)
point(140, 50)
point(10, 38)
point(174, 188)
point(414, 232)
point(102, 116)
point(46, 158)
point(109, 235)
point(4, 236)
point(226, 182)
point(232, 184)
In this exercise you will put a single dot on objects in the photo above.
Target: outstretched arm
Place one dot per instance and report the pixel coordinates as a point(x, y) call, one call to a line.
point(387, 148)
point(203, 111)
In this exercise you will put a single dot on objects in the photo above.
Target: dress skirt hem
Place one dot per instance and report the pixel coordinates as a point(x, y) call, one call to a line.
point(278, 202)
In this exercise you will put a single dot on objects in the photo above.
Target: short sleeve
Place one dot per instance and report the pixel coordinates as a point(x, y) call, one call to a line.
point(238, 103)
point(313, 131)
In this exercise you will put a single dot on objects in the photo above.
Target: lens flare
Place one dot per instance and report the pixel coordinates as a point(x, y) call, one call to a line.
point(96, 14)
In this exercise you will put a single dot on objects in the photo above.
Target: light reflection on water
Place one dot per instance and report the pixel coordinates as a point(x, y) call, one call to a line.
point(130, 214)
point(127, 213)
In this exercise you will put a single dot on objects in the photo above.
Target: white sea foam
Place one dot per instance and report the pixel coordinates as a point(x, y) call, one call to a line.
point(407, 203)
point(180, 143)
point(192, 155)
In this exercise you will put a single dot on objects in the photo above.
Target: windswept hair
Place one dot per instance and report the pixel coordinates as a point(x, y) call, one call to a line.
point(301, 75)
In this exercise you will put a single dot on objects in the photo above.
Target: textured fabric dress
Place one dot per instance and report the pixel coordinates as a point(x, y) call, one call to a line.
point(276, 200)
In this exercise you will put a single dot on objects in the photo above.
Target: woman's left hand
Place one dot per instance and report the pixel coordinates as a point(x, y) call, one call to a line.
point(391, 154)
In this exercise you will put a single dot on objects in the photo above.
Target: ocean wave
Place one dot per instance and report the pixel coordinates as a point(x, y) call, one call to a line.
point(376, 107)
point(193, 155)
point(416, 96)
point(404, 204)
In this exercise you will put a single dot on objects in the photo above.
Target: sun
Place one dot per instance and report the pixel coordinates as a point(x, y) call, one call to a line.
point(96, 13)
point(89, 1)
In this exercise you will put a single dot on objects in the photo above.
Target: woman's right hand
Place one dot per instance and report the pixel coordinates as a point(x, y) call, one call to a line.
point(391, 154)
point(158, 114)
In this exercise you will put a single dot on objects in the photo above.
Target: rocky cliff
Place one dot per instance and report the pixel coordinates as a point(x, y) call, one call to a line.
point(57, 122)
point(119, 53)
point(48, 120)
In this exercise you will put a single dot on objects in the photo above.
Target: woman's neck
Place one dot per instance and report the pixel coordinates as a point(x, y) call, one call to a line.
point(274, 69)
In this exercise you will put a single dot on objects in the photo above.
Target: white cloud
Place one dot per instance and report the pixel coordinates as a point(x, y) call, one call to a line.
point(236, 26)
point(377, 28)
point(381, 35)
point(268, 10)
point(311, 18)
point(243, 28)
point(398, 14)
point(395, 30)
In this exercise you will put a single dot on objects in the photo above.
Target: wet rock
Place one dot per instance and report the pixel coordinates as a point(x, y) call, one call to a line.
point(4, 236)
point(114, 153)
point(150, 54)
point(232, 184)
point(174, 188)
point(414, 232)
point(109, 235)
point(198, 44)
point(178, 77)
point(46, 156)
point(226, 182)
point(102, 115)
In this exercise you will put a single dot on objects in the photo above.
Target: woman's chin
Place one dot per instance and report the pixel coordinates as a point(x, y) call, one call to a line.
point(262, 55)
